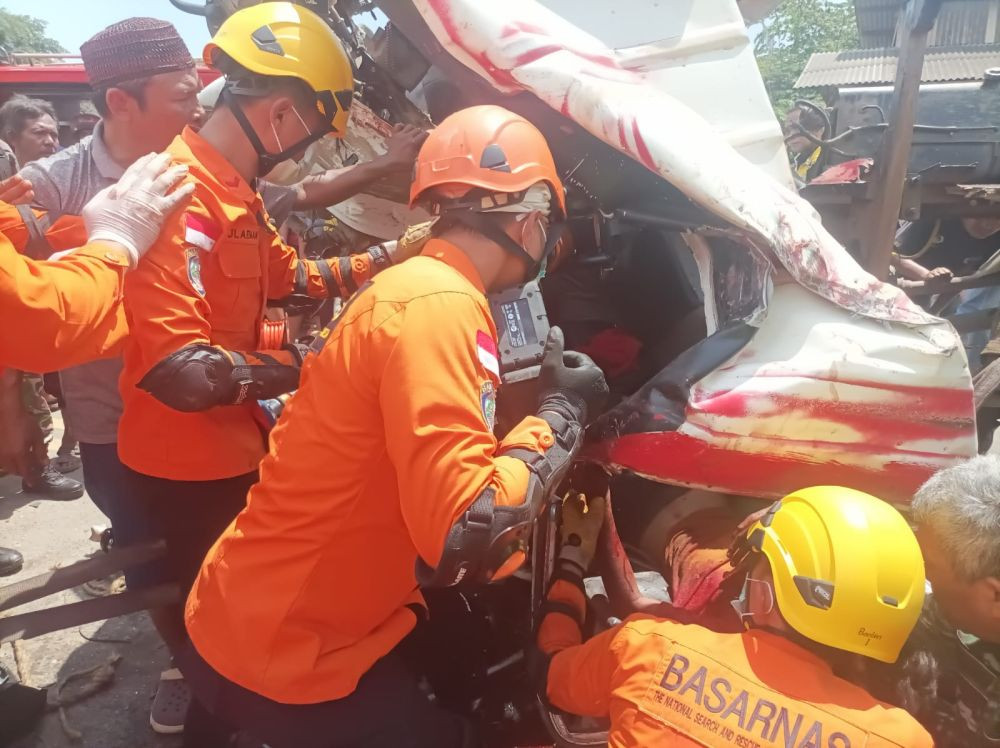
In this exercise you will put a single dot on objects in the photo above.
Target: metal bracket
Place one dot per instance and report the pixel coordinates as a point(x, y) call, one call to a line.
point(913, 194)
point(46, 620)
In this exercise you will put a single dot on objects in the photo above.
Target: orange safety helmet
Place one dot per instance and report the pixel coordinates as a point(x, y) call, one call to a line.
point(487, 148)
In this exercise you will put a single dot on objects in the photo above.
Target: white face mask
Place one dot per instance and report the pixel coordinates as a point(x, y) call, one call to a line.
point(305, 127)
point(742, 604)
point(541, 227)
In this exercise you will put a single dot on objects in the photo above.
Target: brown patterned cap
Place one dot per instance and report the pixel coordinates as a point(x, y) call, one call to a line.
point(131, 49)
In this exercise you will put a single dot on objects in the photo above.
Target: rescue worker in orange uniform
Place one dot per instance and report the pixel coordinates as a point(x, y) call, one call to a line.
point(829, 571)
point(194, 367)
point(398, 480)
point(67, 311)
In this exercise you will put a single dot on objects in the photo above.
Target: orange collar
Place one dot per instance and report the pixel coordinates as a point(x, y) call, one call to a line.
point(216, 167)
point(753, 636)
point(452, 256)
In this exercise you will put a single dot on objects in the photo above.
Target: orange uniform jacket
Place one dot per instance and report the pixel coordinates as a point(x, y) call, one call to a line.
point(67, 232)
point(207, 281)
point(62, 313)
point(386, 443)
point(664, 683)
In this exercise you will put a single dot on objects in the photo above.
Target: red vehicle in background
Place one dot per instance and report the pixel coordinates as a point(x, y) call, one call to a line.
point(60, 79)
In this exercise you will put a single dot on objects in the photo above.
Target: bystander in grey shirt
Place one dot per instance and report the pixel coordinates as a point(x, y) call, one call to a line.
point(64, 183)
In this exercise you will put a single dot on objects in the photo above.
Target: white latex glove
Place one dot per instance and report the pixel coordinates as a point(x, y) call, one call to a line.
point(132, 211)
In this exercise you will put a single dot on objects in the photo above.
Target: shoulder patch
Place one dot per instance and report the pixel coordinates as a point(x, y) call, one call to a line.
point(488, 403)
point(193, 261)
point(201, 232)
point(486, 349)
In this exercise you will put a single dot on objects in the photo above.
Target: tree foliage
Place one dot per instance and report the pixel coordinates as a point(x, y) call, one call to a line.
point(792, 33)
point(20, 33)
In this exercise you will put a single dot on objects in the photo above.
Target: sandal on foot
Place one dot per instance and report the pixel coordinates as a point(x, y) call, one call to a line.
point(66, 463)
point(170, 704)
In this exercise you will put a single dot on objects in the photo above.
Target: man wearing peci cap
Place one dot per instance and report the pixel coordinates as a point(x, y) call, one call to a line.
point(145, 90)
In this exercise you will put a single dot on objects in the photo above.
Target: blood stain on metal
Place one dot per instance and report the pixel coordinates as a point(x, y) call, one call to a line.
point(642, 150)
point(537, 53)
point(532, 29)
point(454, 31)
point(684, 460)
point(873, 421)
point(564, 107)
point(802, 446)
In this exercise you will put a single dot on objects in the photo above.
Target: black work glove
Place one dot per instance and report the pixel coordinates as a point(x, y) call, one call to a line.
point(572, 385)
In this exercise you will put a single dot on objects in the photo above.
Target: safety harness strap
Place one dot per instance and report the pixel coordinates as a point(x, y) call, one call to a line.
point(242, 376)
point(302, 279)
point(38, 246)
point(298, 352)
point(569, 569)
point(480, 513)
point(347, 274)
point(267, 359)
point(574, 577)
point(332, 289)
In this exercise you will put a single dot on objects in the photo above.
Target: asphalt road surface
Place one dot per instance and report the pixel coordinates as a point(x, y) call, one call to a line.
point(56, 533)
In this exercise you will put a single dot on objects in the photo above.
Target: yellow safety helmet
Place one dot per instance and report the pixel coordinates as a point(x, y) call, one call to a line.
point(848, 572)
point(287, 40)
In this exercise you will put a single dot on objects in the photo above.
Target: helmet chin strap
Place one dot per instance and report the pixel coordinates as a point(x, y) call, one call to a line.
point(479, 223)
point(266, 161)
point(555, 234)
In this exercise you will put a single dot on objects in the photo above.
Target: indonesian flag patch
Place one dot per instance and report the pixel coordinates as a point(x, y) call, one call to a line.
point(486, 348)
point(200, 232)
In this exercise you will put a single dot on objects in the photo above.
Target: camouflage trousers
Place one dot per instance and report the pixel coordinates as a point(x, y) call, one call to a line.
point(33, 397)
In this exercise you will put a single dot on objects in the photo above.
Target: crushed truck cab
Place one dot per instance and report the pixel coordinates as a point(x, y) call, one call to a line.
point(764, 358)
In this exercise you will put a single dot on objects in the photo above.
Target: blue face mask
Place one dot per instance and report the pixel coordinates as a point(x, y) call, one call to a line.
point(742, 603)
